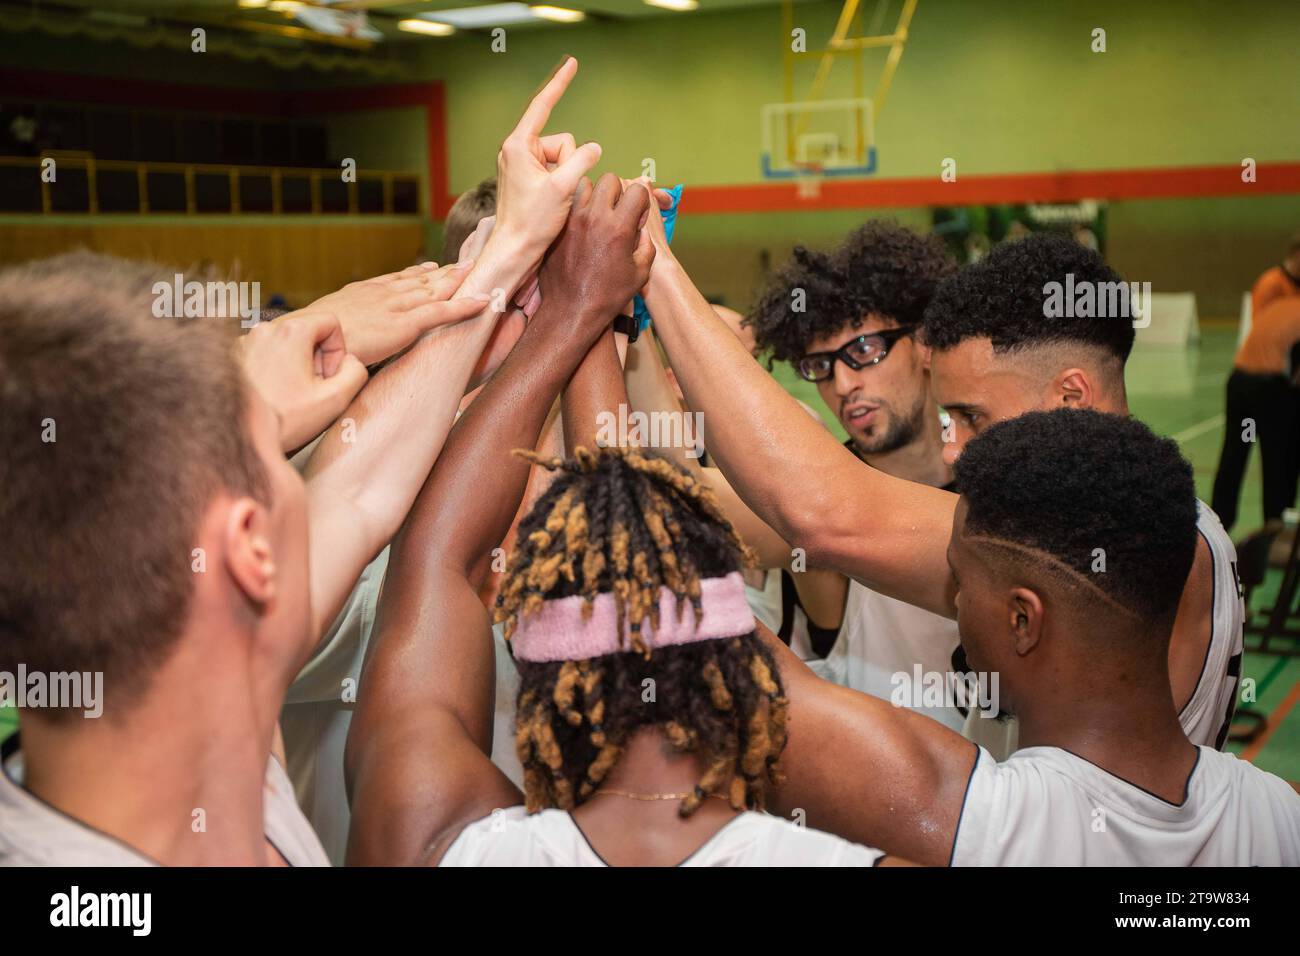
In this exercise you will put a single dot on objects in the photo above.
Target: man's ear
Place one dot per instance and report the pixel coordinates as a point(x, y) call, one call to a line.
point(924, 351)
point(248, 552)
point(1025, 619)
point(1074, 389)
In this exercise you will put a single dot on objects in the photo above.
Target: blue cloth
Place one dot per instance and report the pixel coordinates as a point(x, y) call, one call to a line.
point(639, 311)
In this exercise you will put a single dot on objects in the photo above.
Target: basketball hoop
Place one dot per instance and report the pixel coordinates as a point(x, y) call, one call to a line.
point(808, 180)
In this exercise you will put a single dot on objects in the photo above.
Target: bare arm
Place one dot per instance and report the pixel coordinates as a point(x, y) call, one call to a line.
point(889, 533)
point(870, 772)
point(367, 469)
point(417, 755)
point(648, 390)
point(597, 388)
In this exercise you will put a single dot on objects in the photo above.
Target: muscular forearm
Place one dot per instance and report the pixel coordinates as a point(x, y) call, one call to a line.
point(596, 389)
point(890, 533)
point(648, 390)
point(367, 469)
point(467, 506)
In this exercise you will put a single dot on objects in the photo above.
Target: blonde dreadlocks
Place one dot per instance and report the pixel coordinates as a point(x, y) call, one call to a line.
point(628, 523)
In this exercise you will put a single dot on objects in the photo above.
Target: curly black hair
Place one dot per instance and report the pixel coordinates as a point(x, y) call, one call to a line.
point(881, 269)
point(629, 523)
point(1069, 481)
point(1003, 298)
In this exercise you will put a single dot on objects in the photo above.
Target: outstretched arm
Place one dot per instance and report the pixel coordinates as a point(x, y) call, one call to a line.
point(417, 760)
point(366, 470)
point(888, 533)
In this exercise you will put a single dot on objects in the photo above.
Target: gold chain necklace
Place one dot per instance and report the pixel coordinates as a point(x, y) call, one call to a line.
point(651, 796)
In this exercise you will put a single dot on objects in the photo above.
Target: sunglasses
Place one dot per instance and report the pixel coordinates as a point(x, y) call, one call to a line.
point(862, 352)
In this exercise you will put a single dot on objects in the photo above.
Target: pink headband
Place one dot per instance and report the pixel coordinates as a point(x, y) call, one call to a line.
point(559, 632)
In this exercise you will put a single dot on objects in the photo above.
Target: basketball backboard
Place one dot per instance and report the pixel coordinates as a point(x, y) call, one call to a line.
point(821, 137)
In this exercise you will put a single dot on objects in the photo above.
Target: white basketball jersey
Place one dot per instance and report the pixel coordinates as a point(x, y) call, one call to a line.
point(880, 644)
point(514, 837)
point(1208, 713)
point(1047, 807)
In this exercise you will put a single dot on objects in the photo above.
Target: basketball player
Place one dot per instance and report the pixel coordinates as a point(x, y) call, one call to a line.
point(207, 600)
point(644, 739)
point(994, 355)
point(856, 339)
point(1105, 774)
point(158, 538)
point(421, 391)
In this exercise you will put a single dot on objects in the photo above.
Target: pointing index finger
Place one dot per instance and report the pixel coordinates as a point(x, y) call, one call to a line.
point(534, 119)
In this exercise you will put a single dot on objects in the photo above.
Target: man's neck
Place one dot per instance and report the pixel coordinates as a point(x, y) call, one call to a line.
point(178, 776)
point(1134, 735)
point(920, 460)
point(650, 832)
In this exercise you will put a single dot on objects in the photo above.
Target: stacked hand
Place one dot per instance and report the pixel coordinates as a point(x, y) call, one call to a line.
point(384, 315)
point(603, 257)
point(303, 370)
point(527, 298)
point(536, 174)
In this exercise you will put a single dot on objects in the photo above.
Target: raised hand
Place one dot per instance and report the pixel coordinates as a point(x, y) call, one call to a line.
point(536, 174)
point(655, 227)
point(383, 315)
point(303, 370)
point(603, 256)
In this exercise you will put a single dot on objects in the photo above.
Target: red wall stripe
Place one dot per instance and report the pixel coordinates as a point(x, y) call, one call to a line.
point(1155, 183)
point(779, 196)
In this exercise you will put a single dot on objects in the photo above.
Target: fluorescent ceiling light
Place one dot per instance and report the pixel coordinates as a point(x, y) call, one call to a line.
point(284, 6)
point(679, 5)
point(558, 14)
point(427, 27)
point(492, 15)
point(252, 4)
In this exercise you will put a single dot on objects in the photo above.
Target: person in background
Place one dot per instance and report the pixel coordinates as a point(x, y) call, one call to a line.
point(463, 218)
point(1262, 407)
point(1278, 281)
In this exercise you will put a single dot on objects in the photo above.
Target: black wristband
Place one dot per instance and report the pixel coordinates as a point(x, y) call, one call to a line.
point(629, 326)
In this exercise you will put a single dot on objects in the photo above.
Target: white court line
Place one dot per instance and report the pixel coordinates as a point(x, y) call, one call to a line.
point(1200, 428)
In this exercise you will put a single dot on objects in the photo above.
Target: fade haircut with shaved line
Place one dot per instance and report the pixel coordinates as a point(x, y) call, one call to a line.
point(628, 523)
point(1002, 298)
point(1070, 481)
point(118, 429)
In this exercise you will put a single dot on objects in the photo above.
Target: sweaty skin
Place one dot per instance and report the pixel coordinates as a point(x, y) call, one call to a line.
point(889, 534)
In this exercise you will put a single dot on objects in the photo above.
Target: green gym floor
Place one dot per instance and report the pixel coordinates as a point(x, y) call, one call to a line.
point(1178, 392)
